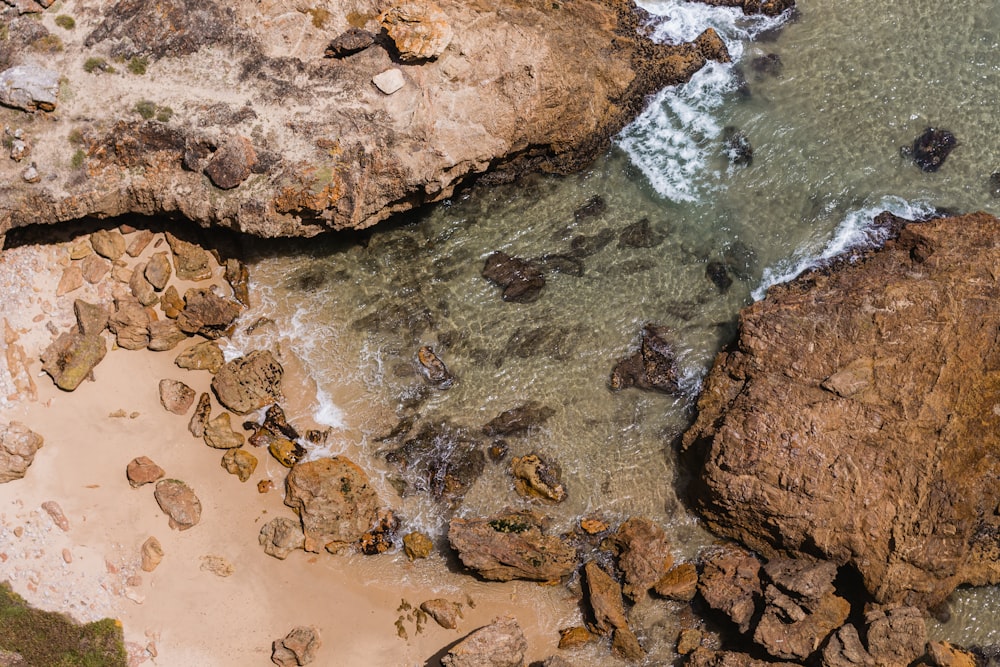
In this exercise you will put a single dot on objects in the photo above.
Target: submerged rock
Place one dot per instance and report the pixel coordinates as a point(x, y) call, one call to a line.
point(525, 418)
point(441, 459)
point(931, 148)
point(536, 478)
point(799, 449)
point(434, 369)
point(738, 147)
point(521, 281)
point(652, 366)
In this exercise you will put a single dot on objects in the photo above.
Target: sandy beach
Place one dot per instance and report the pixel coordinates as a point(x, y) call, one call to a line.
point(186, 612)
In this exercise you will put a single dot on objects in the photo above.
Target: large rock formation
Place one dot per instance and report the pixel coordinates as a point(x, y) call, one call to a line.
point(508, 85)
point(857, 416)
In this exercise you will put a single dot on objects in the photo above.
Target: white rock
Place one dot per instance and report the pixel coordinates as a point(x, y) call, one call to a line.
point(29, 87)
point(31, 174)
point(389, 81)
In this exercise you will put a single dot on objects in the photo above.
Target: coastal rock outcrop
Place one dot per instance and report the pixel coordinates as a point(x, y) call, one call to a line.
point(500, 87)
point(856, 417)
point(511, 545)
point(499, 644)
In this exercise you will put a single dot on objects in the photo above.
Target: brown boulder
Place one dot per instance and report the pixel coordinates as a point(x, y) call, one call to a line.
point(191, 262)
point(108, 243)
point(72, 278)
point(219, 433)
point(799, 449)
point(151, 554)
point(201, 414)
point(417, 545)
point(893, 637)
point(18, 445)
point(281, 536)
point(141, 470)
point(604, 596)
point(231, 164)
point(500, 644)
point(157, 270)
point(141, 288)
point(206, 313)
point(704, 657)
point(298, 647)
point(164, 335)
point(420, 30)
point(680, 583)
point(239, 462)
point(175, 396)
point(249, 383)
point(444, 612)
point(206, 356)
point(130, 323)
point(178, 502)
point(644, 555)
point(511, 545)
point(71, 358)
point(730, 583)
point(94, 268)
point(333, 499)
point(91, 319)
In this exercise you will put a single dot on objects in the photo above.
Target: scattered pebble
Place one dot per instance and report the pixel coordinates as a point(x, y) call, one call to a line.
point(58, 517)
point(67, 555)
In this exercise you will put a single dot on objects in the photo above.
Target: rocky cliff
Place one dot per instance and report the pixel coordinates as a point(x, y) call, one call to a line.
point(857, 417)
point(288, 119)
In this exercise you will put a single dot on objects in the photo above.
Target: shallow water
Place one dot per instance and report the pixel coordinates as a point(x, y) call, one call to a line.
point(856, 81)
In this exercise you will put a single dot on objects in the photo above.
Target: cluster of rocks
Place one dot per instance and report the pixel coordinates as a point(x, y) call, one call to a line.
point(18, 445)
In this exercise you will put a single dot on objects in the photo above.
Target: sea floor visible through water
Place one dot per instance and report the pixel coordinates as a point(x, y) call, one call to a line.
point(825, 97)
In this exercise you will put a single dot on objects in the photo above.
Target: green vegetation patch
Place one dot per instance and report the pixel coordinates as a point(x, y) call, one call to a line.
point(148, 109)
point(508, 526)
point(48, 44)
point(65, 21)
point(45, 638)
point(77, 160)
point(138, 65)
point(97, 65)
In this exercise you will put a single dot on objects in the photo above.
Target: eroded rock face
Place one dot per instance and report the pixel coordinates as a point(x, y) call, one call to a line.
point(854, 417)
point(248, 383)
point(334, 501)
point(471, 102)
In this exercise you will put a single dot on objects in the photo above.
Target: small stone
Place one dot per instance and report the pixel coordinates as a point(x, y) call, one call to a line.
point(593, 526)
point(349, 42)
point(679, 583)
point(108, 243)
point(141, 470)
point(151, 554)
point(171, 302)
point(265, 485)
point(217, 565)
point(19, 149)
point(53, 509)
point(232, 164)
point(281, 536)
point(158, 270)
point(31, 175)
point(389, 81)
point(239, 462)
point(417, 545)
point(141, 288)
point(176, 397)
point(138, 242)
point(179, 502)
point(91, 319)
point(19, 531)
point(574, 636)
point(94, 268)
point(191, 262)
point(80, 248)
point(164, 335)
point(688, 640)
point(72, 278)
point(206, 356)
point(67, 556)
point(444, 612)
point(120, 272)
point(220, 435)
point(200, 417)
point(286, 452)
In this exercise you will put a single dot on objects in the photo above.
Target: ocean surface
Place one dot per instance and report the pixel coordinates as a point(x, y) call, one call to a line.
point(825, 97)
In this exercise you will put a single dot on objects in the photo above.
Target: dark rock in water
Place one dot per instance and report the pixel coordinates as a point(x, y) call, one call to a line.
point(382, 537)
point(565, 264)
point(276, 422)
point(592, 208)
point(434, 369)
point(521, 280)
point(738, 148)
point(498, 450)
point(441, 459)
point(741, 259)
point(585, 246)
point(931, 148)
point(717, 273)
point(651, 367)
point(995, 184)
point(553, 342)
point(639, 235)
point(521, 419)
point(740, 83)
point(767, 65)
point(511, 545)
point(396, 318)
point(349, 42)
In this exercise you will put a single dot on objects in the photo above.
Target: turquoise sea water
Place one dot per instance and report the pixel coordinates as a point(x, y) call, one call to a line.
point(825, 97)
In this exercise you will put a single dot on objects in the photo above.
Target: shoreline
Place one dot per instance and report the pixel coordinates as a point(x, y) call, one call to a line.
point(180, 611)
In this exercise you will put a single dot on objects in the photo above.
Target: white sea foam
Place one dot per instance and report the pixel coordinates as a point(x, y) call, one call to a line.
point(855, 232)
point(327, 412)
point(671, 140)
